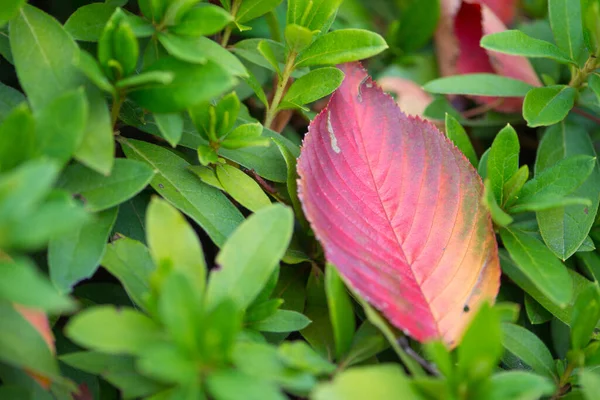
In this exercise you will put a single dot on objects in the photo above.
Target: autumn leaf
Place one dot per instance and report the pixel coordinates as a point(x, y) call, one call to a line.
point(397, 209)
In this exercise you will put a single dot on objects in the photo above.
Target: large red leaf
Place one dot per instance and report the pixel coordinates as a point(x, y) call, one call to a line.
point(397, 209)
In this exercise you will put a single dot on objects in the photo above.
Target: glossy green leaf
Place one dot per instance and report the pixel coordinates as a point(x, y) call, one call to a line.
point(248, 49)
point(499, 216)
point(539, 265)
point(341, 46)
point(265, 50)
point(564, 229)
point(174, 244)
point(312, 86)
point(100, 192)
point(17, 133)
point(76, 255)
point(512, 187)
point(45, 56)
point(585, 317)
point(529, 348)
point(170, 126)
point(297, 37)
point(250, 256)
point(517, 43)
point(282, 321)
point(22, 283)
point(548, 105)
point(503, 161)
point(456, 133)
point(341, 311)
point(479, 85)
point(566, 21)
point(251, 9)
point(192, 84)
point(315, 17)
point(242, 188)
point(130, 262)
point(246, 135)
point(87, 22)
point(114, 331)
point(206, 205)
point(202, 21)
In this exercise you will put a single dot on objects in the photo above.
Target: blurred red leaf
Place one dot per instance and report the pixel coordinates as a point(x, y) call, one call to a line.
point(462, 25)
point(397, 209)
point(410, 97)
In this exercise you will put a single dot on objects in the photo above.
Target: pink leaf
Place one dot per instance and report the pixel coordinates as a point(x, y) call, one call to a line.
point(397, 209)
point(410, 97)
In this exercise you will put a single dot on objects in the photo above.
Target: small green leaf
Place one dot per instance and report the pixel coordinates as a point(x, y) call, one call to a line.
point(315, 17)
point(586, 314)
point(248, 49)
point(368, 341)
point(92, 70)
point(100, 192)
point(594, 84)
point(114, 331)
point(292, 181)
point(282, 321)
point(499, 216)
point(221, 326)
point(297, 37)
point(126, 49)
point(170, 126)
point(228, 384)
point(251, 9)
point(539, 265)
point(529, 348)
point(130, 262)
point(341, 311)
point(202, 21)
point(17, 133)
point(548, 105)
point(384, 381)
point(242, 188)
point(479, 85)
point(167, 363)
point(250, 256)
point(512, 187)
point(207, 206)
point(516, 385)
point(312, 86)
point(77, 254)
point(265, 50)
point(207, 155)
point(192, 84)
point(456, 133)
point(517, 43)
point(341, 46)
point(566, 21)
point(246, 135)
point(503, 161)
point(298, 354)
point(206, 175)
point(174, 244)
point(146, 79)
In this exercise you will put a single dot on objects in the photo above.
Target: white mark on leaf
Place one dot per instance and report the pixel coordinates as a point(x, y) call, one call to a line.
point(332, 138)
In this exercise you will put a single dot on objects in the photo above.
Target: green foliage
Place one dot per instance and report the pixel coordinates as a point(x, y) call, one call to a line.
point(150, 218)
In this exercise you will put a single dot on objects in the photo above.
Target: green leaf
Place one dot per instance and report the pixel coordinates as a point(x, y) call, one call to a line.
point(202, 21)
point(99, 192)
point(525, 345)
point(21, 345)
point(250, 256)
point(265, 50)
point(585, 317)
point(146, 79)
point(87, 22)
point(260, 311)
point(368, 341)
point(590, 381)
point(45, 56)
point(192, 84)
point(341, 311)
point(341, 46)
point(298, 354)
point(385, 381)
point(242, 188)
point(549, 204)
point(246, 135)
point(60, 126)
point(114, 331)
point(199, 50)
point(499, 216)
point(282, 321)
point(76, 255)
point(594, 84)
point(456, 133)
point(207, 155)
point(516, 385)
point(481, 346)
point(479, 85)
point(174, 244)
point(10, 9)
point(167, 363)
point(312, 86)
point(558, 180)
point(130, 262)
point(248, 49)
point(17, 133)
point(564, 229)
point(548, 105)
point(170, 126)
point(97, 149)
point(251, 9)
point(229, 384)
point(207, 206)
point(221, 326)
point(503, 160)
point(536, 313)
point(297, 37)
point(512, 187)
point(417, 24)
point(9, 99)
point(539, 265)
point(22, 283)
point(517, 43)
point(126, 49)
point(566, 21)
point(315, 17)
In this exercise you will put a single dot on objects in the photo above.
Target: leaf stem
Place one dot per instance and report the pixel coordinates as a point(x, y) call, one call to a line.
point(279, 91)
point(227, 32)
point(118, 100)
point(582, 74)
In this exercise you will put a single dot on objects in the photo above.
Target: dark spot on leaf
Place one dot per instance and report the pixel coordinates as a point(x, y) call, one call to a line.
point(80, 197)
point(466, 308)
point(160, 185)
point(585, 210)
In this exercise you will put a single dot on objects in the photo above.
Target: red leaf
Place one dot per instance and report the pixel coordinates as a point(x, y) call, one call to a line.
point(397, 209)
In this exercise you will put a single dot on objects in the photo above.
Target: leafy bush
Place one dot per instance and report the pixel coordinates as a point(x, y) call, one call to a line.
point(170, 230)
